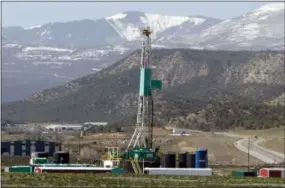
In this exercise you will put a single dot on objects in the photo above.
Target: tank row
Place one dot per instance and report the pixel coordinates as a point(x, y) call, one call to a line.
point(27, 147)
point(199, 159)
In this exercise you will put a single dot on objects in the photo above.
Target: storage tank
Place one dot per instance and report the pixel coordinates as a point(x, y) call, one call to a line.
point(168, 160)
point(18, 149)
point(182, 160)
point(19, 169)
point(201, 158)
point(190, 160)
point(242, 173)
point(180, 171)
point(61, 157)
point(26, 147)
point(162, 161)
point(43, 154)
point(39, 154)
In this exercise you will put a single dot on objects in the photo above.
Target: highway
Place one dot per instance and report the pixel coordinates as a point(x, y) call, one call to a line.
point(261, 153)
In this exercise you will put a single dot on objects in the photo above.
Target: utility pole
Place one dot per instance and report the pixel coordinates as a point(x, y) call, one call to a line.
point(248, 150)
point(79, 145)
point(248, 153)
point(81, 134)
point(284, 148)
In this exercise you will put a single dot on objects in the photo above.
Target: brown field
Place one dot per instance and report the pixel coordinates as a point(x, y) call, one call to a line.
point(274, 137)
point(12, 137)
point(221, 148)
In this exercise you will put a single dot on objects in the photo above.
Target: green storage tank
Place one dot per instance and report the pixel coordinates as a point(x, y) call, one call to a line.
point(19, 169)
point(118, 171)
point(244, 173)
point(254, 170)
point(238, 173)
point(40, 161)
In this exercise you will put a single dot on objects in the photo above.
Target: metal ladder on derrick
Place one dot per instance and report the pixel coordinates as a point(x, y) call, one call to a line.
point(136, 167)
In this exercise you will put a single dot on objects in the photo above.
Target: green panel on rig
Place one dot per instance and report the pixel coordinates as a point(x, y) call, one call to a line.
point(140, 154)
point(145, 81)
point(156, 84)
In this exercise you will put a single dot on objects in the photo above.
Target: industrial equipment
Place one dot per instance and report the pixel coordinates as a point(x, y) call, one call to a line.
point(39, 163)
point(180, 171)
point(139, 153)
point(141, 140)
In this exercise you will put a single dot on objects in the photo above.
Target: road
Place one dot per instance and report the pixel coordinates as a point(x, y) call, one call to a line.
point(261, 153)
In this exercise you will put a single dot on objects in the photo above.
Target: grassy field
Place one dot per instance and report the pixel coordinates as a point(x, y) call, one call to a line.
point(274, 137)
point(19, 179)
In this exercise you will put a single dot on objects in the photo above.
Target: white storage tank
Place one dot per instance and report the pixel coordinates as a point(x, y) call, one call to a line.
point(180, 171)
point(108, 164)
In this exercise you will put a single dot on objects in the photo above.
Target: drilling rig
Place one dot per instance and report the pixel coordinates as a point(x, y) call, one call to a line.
point(140, 145)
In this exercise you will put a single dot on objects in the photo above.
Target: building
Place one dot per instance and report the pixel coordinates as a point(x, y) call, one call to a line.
point(26, 147)
point(63, 127)
point(272, 172)
point(180, 132)
point(95, 123)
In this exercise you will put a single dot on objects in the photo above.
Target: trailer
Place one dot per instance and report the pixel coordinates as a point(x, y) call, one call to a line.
point(59, 169)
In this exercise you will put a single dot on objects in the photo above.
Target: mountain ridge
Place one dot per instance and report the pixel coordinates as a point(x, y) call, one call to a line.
point(111, 94)
point(125, 27)
point(53, 54)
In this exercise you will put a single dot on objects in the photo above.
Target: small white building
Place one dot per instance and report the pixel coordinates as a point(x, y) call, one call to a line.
point(96, 123)
point(180, 132)
point(64, 127)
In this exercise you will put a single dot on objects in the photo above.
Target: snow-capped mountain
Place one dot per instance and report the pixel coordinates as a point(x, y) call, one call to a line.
point(32, 68)
point(185, 34)
point(260, 29)
point(128, 24)
point(82, 33)
point(50, 54)
point(53, 54)
point(121, 28)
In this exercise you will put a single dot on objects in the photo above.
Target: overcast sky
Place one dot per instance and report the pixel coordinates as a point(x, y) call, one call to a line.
point(34, 13)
